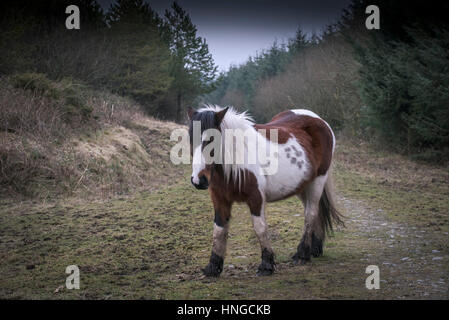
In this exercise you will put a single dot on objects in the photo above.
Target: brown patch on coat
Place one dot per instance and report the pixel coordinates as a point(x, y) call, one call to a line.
point(223, 193)
point(312, 133)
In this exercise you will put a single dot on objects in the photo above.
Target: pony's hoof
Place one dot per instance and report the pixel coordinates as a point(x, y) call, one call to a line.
point(317, 252)
point(215, 266)
point(317, 246)
point(264, 272)
point(295, 258)
point(266, 268)
point(299, 261)
point(211, 271)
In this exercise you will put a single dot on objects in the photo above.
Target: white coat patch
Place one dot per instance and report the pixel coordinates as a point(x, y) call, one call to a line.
point(294, 169)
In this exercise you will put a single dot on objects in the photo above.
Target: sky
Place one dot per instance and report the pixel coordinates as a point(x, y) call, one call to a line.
point(235, 30)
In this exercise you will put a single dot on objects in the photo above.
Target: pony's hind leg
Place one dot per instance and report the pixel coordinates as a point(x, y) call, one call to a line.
point(313, 236)
point(267, 265)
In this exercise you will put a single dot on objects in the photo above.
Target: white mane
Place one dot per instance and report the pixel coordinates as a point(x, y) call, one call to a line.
point(234, 120)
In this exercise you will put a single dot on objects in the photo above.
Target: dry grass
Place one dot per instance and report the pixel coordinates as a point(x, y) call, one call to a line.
point(60, 138)
point(390, 169)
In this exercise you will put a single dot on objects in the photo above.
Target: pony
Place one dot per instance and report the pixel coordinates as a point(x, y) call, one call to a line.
point(305, 144)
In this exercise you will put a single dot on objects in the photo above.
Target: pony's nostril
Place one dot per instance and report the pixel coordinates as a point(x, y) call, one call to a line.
point(203, 181)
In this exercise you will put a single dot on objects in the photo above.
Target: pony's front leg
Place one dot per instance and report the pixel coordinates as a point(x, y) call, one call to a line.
point(221, 228)
point(267, 266)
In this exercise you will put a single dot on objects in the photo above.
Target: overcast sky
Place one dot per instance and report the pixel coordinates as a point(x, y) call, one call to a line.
point(237, 29)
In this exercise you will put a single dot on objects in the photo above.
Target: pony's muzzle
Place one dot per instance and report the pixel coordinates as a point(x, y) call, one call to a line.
point(203, 183)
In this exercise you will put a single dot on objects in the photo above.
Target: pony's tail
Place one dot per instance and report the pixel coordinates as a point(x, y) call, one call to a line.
point(328, 212)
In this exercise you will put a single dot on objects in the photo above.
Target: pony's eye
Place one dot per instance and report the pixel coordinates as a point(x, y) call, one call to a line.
point(205, 143)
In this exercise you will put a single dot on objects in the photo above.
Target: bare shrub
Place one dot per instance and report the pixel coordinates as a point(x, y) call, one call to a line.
point(29, 112)
point(234, 98)
point(322, 79)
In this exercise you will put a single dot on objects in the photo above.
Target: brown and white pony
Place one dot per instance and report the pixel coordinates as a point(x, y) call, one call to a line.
point(305, 145)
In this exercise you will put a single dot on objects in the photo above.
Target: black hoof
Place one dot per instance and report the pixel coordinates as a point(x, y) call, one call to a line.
point(295, 258)
point(267, 266)
point(299, 261)
point(211, 271)
point(317, 246)
point(303, 255)
point(264, 272)
point(215, 266)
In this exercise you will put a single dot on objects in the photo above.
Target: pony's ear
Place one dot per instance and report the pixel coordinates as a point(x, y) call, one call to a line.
point(219, 116)
point(190, 112)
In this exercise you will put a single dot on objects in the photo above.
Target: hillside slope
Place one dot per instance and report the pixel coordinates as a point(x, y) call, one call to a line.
point(60, 139)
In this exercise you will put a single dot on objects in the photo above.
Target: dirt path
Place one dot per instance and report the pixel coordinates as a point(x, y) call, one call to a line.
point(411, 261)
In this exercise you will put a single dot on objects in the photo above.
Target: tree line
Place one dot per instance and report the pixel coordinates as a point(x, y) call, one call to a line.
point(160, 61)
point(388, 86)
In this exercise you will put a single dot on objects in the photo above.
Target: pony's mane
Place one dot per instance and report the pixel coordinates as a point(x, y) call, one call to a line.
point(233, 120)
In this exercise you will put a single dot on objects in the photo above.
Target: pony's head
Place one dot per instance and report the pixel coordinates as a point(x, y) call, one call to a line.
point(203, 120)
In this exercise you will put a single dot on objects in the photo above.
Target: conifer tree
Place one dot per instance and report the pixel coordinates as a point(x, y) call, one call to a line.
point(299, 42)
point(192, 66)
point(404, 81)
point(142, 57)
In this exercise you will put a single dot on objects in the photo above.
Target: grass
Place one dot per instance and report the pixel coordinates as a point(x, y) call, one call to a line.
point(410, 192)
point(152, 245)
